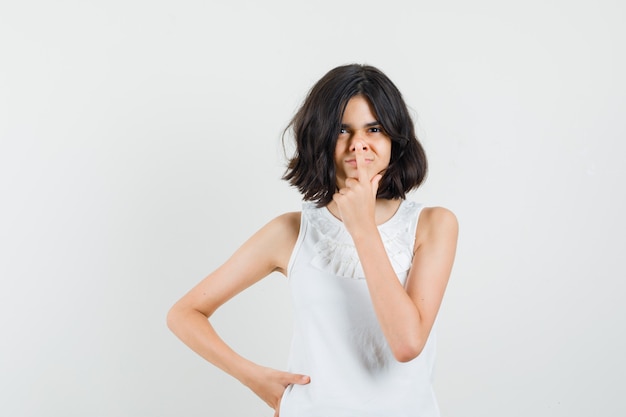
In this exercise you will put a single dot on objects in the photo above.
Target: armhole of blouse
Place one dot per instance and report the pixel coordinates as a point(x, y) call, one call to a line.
point(416, 221)
point(296, 247)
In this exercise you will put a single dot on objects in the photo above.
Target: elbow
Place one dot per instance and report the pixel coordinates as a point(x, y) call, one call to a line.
point(176, 318)
point(408, 350)
point(173, 318)
point(179, 316)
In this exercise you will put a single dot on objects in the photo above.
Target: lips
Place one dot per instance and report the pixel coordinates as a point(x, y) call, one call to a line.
point(352, 162)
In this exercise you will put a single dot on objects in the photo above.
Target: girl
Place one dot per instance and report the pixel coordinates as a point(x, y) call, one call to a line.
point(367, 269)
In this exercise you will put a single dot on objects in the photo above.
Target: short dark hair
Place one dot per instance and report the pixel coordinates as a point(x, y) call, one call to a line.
point(317, 123)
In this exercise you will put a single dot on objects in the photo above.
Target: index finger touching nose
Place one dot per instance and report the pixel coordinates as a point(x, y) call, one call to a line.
point(360, 161)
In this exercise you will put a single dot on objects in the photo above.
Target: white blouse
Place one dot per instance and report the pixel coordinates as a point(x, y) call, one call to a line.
point(337, 339)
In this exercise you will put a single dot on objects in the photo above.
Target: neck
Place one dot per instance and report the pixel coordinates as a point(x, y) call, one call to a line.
point(385, 209)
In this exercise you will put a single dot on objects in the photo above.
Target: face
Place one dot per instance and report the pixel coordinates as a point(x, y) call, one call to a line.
point(360, 124)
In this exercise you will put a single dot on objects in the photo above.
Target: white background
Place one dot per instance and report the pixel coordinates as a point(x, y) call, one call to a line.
point(140, 145)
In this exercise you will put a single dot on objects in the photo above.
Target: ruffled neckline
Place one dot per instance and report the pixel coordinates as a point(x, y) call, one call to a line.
point(335, 251)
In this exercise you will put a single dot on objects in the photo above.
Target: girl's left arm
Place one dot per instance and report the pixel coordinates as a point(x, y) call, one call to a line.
point(407, 313)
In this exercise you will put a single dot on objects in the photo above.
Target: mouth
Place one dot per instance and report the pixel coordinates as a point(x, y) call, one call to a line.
point(352, 162)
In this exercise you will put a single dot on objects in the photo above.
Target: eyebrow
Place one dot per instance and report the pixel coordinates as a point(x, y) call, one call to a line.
point(370, 124)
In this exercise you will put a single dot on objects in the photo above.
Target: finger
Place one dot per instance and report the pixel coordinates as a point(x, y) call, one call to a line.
point(338, 199)
point(375, 182)
point(277, 410)
point(360, 162)
point(300, 379)
point(349, 182)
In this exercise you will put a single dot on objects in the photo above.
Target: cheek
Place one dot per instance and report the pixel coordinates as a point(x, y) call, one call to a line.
point(337, 158)
point(340, 150)
point(384, 150)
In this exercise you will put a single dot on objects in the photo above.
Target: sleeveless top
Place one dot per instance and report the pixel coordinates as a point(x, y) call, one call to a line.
point(337, 339)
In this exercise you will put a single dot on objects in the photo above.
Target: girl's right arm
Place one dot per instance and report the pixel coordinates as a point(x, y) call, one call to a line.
point(266, 251)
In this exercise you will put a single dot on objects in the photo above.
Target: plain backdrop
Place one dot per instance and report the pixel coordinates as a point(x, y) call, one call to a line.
point(140, 146)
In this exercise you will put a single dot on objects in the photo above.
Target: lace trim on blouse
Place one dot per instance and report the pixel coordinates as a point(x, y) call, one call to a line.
point(335, 251)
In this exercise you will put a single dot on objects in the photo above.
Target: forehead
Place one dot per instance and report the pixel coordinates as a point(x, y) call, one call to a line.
point(359, 110)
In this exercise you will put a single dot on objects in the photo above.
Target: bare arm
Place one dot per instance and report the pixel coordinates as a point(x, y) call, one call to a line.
point(406, 314)
point(266, 251)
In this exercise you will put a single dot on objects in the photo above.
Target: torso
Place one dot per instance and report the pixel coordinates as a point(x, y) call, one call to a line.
point(337, 338)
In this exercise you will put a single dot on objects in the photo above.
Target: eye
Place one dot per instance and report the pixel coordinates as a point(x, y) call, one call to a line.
point(375, 129)
point(343, 131)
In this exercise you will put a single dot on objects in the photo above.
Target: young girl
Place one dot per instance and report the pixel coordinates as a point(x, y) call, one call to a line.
point(367, 269)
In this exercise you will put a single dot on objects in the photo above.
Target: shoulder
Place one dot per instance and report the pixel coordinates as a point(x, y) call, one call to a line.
point(276, 236)
point(436, 223)
point(280, 236)
point(283, 228)
point(286, 223)
point(433, 216)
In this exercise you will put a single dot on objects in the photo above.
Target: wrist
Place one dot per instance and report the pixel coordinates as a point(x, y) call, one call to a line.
point(364, 233)
point(244, 371)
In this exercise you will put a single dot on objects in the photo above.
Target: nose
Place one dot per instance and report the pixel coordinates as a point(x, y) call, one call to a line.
point(356, 138)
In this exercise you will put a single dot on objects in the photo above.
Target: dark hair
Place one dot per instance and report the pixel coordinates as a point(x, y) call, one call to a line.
point(316, 127)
